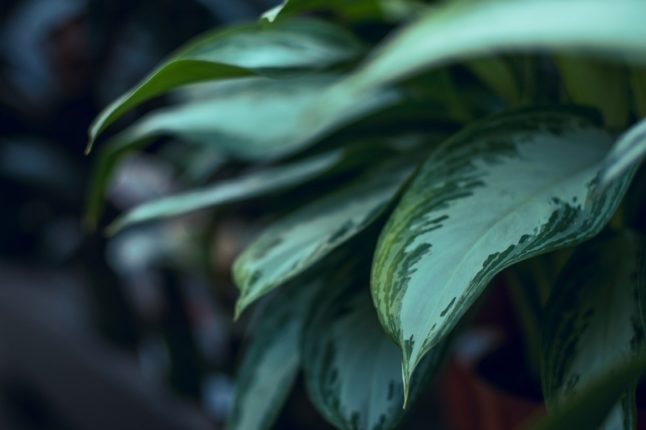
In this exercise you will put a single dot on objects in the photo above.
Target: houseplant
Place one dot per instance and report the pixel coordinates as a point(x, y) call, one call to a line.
point(417, 150)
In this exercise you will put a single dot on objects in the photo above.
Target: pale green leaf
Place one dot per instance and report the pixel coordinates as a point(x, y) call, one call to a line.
point(628, 152)
point(241, 51)
point(352, 369)
point(304, 237)
point(508, 188)
point(251, 118)
point(229, 191)
point(596, 319)
point(462, 30)
point(272, 359)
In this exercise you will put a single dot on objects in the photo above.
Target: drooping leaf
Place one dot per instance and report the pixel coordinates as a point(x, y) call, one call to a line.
point(589, 409)
point(304, 237)
point(248, 186)
point(463, 30)
point(352, 369)
point(629, 151)
point(595, 319)
point(254, 118)
point(241, 51)
point(598, 84)
point(501, 191)
point(272, 359)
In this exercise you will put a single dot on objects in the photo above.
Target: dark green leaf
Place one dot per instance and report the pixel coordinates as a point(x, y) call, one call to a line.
point(272, 359)
point(596, 319)
point(352, 369)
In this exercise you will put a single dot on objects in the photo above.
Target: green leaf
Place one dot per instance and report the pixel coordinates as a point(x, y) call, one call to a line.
point(506, 189)
point(221, 117)
point(304, 237)
point(352, 369)
point(354, 10)
point(628, 152)
point(242, 51)
point(498, 74)
point(595, 319)
point(272, 359)
point(464, 30)
point(233, 190)
point(589, 409)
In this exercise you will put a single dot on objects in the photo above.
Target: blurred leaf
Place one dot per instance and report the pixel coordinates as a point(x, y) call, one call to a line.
point(352, 369)
point(503, 190)
point(254, 119)
point(638, 85)
point(598, 309)
point(304, 237)
point(597, 84)
point(465, 30)
point(240, 51)
point(228, 191)
point(589, 409)
point(272, 359)
point(356, 10)
point(628, 152)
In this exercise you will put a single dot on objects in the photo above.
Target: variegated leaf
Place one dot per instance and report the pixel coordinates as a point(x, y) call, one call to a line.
point(352, 369)
point(595, 319)
point(306, 236)
point(272, 359)
point(629, 151)
point(247, 186)
point(503, 190)
point(241, 51)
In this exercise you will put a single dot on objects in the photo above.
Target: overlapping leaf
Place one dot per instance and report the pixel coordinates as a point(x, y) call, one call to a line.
point(352, 369)
point(504, 190)
point(272, 359)
point(254, 118)
point(307, 235)
point(595, 320)
point(251, 185)
point(590, 408)
point(242, 51)
point(629, 151)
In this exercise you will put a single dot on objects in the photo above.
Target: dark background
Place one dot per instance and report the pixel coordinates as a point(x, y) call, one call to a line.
point(132, 333)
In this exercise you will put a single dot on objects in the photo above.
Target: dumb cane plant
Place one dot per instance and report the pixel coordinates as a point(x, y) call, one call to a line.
point(432, 146)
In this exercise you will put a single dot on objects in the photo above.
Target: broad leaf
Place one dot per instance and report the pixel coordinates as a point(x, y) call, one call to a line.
point(464, 30)
point(352, 369)
point(589, 409)
point(501, 191)
point(595, 319)
point(304, 237)
point(247, 186)
point(253, 118)
point(241, 51)
point(358, 10)
point(628, 152)
point(272, 359)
